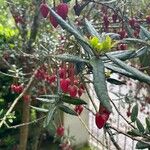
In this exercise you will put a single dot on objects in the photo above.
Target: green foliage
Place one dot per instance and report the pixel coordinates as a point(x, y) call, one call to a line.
point(67, 110)
point(71, 100)
point(140, 126)
point(141, 145)
point(100, 83)
point(134, 113)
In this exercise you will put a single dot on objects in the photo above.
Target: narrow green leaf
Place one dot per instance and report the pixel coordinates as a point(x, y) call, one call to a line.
point(127, 54)
point(67, 110)
point(1, 111)
point(147, 120)
point(91, 29)
point(117, 69)
point(49, 116)
point(114, 81)
point(108, 2)
point(39, 109)
point(140, 126)
point(134, 132)
point(134, 113)
point(134, 40)
point(138, 74)
point(71, 100)
point(69, 58)
point(66, 1)
point(141, 145)
point(144, 33)
point(100, 83)
point(46, 100)
point(10, 120)
point(50, 96)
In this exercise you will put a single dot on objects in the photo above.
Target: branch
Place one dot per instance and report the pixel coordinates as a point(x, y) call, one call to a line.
point(112, 139)
point(90, 132)
point(17, 99)
point(133, 138)
point(34, 28)
point(25, 124)
point(121, 114)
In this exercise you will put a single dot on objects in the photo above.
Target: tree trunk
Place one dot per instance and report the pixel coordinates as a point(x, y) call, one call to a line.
point(24, 129)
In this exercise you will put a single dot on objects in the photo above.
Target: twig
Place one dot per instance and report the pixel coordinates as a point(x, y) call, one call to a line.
point(89, 110)
point(121, 114)
point(5, 74)
point(90, 132)
point(94, 105)
point(133, 138)
point(28, 123)
point(112, 139)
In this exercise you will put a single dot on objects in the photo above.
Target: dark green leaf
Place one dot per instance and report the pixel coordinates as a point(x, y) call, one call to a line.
point(138, 74)
point(49, 116)
point(50, 96)
point(141, 145)
point(66, 1)
point(117, 69)
point(39, 109)
point(114, 81)
point(69, 58)
point(46, 100)
point(134, 132)
point(140, 126)
point(134, 40)
point(100, 83)
point(1, 111)
point(71, 100)
point(134, 113)
point(147, 120)
point(91, 29)
point(67, 110)
point(144, 33)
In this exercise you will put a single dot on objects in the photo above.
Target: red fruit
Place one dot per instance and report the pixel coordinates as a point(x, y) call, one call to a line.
point(78, 109)
point(62, 10)
point(76, 82)
point(53, 21)
point(62, 72)
point(73, 89)
point(13, 87)
point(122, 34)
point(132, 22)
point(122, 47)
point(18, 19)
point(60, 131)
point(77, 8)
point(16, 88)
point(44, 10)
point(128, 113)
point(103, 110)
point(80, 92)
point(51, 79)
point(26, 98)
point(114, 18)
point(64, 84)
point(100, 120)
point(136, 33)
point(19, 89)
point(82, 86)
point(105, 20)
point(148, 19)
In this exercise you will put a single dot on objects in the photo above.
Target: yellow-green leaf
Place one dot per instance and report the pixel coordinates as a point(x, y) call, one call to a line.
point(94, 41)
